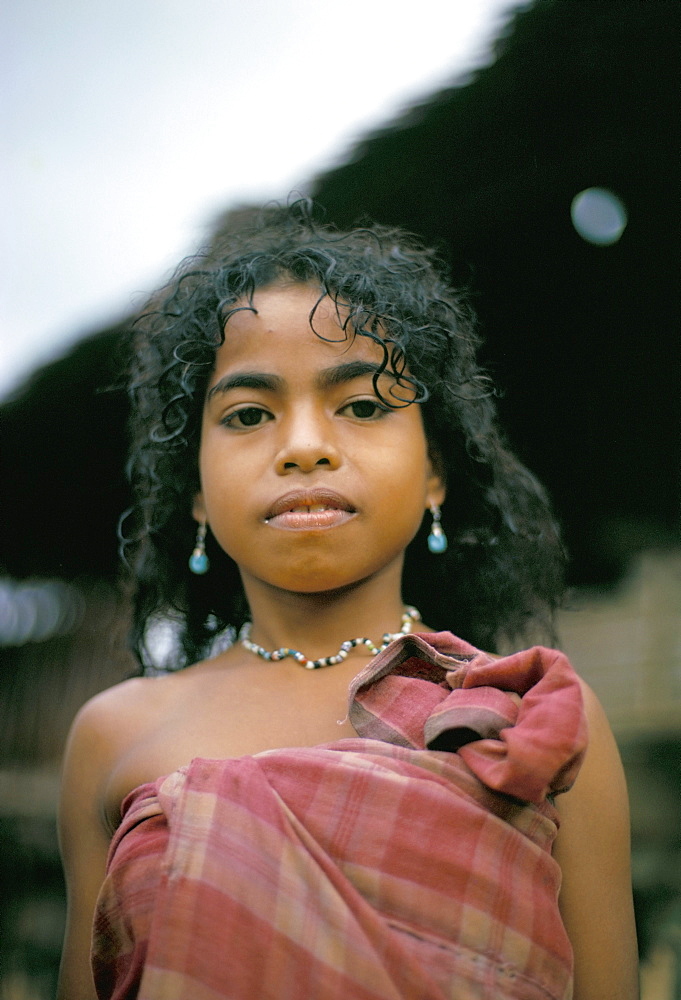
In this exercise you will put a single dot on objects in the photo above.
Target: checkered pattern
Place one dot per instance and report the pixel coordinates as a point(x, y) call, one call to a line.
point(367, 869)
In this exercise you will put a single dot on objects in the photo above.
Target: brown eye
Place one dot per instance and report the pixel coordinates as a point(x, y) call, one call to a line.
point(250, 416)
point(366, 409)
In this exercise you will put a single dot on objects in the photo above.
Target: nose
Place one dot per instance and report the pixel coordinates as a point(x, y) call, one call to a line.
point(306, 442)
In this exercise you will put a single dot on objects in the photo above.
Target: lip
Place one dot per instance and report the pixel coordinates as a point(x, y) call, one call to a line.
point(286, 511)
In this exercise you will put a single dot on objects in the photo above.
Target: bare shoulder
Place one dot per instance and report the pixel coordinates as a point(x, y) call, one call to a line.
point(600, 791)
point(599, 727)
point(593, 850)
point(102, 734)
point(84, 827)
point(101, 730)
point(127, 699)
point(122, 714)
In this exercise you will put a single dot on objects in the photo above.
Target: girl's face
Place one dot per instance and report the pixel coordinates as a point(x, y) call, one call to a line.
point(308, 481)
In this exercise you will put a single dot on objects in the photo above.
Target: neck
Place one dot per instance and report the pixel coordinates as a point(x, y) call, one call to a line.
point(318, 623)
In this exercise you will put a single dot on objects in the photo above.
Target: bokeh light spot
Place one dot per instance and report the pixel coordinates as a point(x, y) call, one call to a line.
point(599, 216)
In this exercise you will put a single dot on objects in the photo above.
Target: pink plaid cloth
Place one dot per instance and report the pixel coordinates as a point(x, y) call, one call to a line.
point(367, 869)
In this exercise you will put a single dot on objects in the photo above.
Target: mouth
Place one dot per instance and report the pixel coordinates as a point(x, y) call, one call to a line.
point(310, 509)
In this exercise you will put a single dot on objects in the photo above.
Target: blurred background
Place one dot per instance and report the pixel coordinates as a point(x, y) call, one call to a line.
point(535, 144)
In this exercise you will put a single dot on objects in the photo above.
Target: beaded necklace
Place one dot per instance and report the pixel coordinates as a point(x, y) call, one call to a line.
point(409, 619)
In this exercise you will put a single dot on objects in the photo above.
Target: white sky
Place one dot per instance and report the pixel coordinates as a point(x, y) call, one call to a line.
point(130, 125)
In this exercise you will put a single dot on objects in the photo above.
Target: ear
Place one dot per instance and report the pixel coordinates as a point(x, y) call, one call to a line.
point(435, 486)
point(199, 509)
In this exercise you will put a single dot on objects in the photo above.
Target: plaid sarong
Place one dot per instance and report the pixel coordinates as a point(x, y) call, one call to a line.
point(367, 869)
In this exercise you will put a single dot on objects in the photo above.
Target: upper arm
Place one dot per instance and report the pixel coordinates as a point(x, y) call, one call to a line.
point(84, 844)
point(593, 850)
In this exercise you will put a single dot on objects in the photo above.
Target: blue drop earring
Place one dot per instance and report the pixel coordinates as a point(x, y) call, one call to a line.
point(437, 540)
point(198, 561)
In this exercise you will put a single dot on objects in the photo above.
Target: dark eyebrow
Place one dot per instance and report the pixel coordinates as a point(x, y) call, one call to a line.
point(326, 379)
point(246, 380)
point(339, 374)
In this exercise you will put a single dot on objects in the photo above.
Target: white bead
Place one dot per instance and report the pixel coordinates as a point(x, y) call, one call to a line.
point(409, 618)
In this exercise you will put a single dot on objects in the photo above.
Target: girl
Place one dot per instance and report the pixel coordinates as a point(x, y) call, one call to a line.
point(311, 430)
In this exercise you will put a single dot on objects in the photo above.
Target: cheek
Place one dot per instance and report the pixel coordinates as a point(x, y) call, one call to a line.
point(220, 497)
point(226, 520)
point(403, 482)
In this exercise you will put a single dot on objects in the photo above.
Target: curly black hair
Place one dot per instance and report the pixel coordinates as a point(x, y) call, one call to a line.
point(501, 578)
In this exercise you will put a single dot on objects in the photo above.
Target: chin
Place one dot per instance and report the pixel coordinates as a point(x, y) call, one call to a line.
point(311, 586)
point(322, 582)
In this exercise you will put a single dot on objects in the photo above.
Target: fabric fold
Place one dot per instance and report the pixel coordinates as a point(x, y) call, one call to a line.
point(517, 721)
point(375, 867)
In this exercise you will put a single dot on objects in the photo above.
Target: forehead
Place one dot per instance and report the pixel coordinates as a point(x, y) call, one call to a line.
point(287, 321)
